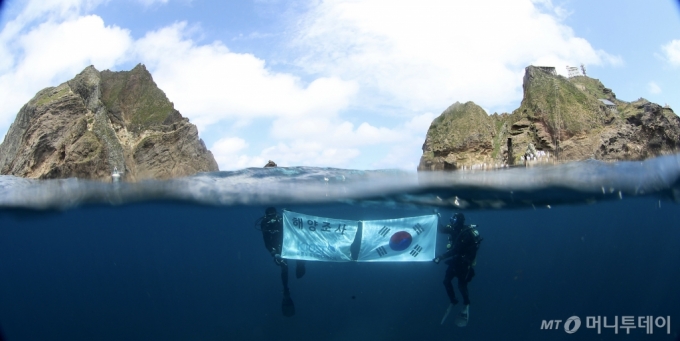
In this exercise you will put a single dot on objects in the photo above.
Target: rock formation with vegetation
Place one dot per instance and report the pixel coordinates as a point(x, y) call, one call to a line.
point(561, 119)
point(101, 121)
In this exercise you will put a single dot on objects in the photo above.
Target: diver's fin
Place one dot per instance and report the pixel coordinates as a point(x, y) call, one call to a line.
point(287, 306)
point(300, 269)
point(446, 314)
point(463, 317)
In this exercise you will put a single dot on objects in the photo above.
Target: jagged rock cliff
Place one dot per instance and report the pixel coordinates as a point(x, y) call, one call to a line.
point(567, 119)
point(99, 121)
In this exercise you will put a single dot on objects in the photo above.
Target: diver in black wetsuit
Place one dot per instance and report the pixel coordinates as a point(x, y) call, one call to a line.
point(272, 232)
point(463, 244)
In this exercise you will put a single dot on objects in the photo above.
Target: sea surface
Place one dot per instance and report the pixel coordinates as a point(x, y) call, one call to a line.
point(182, 259)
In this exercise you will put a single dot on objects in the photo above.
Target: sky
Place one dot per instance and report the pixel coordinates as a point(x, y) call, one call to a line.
point(332, 83)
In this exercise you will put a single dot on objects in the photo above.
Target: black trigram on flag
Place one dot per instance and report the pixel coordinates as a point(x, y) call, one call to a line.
point(384, 231)
point(416, 250)
point(381, 251)
point(419, 229)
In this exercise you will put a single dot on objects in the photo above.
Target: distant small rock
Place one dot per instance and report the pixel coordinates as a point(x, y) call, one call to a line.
point(270, 164)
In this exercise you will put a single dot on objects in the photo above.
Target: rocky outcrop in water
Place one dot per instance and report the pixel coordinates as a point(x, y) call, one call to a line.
point(560, 119)
point(99, 121)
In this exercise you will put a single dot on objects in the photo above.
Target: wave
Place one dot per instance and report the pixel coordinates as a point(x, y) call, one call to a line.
point(570, 183)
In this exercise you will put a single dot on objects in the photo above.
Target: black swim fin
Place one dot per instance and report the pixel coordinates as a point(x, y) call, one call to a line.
point(463, 317)
point(287, 306)
point(446, 314)
point(300, 269)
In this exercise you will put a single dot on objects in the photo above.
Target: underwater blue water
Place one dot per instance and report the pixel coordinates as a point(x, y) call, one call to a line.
point(181, 259)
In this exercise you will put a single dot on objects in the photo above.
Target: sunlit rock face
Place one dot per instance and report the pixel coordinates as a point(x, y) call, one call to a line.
point(101, 121)
point(560, 119)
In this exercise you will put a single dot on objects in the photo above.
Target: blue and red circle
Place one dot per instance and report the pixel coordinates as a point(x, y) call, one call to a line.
point(400, 241)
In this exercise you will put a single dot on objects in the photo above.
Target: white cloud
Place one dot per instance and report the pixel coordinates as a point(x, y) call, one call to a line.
point(230, 145)
point(54, 10)
point(653, 88)
point(406, 153)
point(148, 3)
point(252, 36)
point(672, 52)
point(65, 48)
point(53, 51)
point(404, 156)
point(209, 83)
point(317, 142)
point(231, 154)
point(330, 132)
point(427, 55)
point(547, 5)
point(325, 142)
point(305, 153)
point(228, 153)
point(420, 124)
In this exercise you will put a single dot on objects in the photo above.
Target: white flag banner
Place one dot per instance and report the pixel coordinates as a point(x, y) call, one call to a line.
point(399, 240)
point(309, 237)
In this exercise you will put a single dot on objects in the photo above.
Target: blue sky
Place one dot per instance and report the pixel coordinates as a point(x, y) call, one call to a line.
point(348, 84)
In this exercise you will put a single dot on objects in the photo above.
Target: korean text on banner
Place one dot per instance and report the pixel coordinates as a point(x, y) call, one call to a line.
point(399, 240)
point(316, 238)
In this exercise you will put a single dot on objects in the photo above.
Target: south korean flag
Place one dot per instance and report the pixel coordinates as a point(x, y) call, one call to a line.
point(399, 240)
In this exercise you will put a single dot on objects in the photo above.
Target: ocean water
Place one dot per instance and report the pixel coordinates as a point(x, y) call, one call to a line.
point(182, 260)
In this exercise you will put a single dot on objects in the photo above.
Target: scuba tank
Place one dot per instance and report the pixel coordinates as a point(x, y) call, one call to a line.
point(459, 235)
point(477, 239)
point(258, 221)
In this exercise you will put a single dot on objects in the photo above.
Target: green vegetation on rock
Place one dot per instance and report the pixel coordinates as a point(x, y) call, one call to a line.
point(50, 95)
point(134, 95)
point(458, 126)
point(562, 118)
point(91, 125)
point(559, 103)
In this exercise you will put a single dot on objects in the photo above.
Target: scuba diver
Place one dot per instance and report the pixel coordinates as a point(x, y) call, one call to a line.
point(271, 226)
point(462, 248)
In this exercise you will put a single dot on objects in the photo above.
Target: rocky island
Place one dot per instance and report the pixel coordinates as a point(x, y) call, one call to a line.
point(560, 119)
point(101, 121)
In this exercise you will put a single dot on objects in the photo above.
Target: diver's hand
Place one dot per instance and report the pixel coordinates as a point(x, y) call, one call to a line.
point(436, 260)
point(277, 259)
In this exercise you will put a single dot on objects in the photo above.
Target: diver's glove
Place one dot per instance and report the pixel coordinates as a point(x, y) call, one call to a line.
point(436, 260)
point(278, 260)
